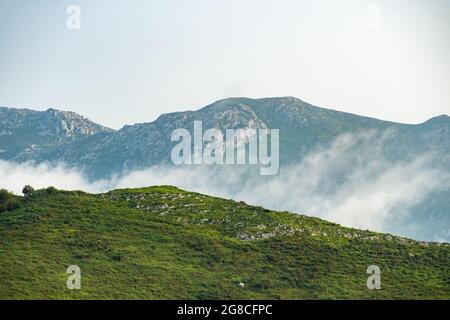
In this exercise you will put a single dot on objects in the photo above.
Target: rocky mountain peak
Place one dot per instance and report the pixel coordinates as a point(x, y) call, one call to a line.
point(70, 124)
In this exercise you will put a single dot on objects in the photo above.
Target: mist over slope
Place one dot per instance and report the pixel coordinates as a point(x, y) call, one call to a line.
point(357, 171)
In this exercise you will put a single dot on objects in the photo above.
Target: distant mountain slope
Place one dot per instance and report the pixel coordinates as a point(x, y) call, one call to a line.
point(25, 133)
point(302, 126)
point(166, 243)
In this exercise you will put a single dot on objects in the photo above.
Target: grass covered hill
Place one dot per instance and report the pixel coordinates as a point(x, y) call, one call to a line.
point(166, 243)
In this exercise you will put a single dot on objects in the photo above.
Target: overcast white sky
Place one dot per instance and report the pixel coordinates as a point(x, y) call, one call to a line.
point(133, 60)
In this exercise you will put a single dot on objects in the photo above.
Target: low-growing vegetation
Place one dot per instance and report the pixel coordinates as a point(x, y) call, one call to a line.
point(8, 201)
point(166, 243)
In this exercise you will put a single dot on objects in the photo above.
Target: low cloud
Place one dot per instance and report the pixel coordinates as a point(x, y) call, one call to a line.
point(14, 176)
point(350, 182)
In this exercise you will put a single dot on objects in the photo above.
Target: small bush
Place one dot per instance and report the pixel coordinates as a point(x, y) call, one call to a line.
point(7, 201)
point(27, 191)
point(51, 190)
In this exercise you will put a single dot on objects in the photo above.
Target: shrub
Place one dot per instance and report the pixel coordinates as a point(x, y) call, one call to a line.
point(7, 201)
point(51, 190)
point(27, 191)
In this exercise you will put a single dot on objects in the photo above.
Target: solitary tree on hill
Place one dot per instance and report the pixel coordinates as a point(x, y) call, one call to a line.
point(27, 191)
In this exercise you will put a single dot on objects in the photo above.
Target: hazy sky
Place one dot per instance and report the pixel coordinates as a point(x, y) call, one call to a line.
point(133, 60)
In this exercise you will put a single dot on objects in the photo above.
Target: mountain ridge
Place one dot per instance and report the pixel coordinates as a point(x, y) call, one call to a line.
point(226, 100)
point(286, 112)
point(24, 132)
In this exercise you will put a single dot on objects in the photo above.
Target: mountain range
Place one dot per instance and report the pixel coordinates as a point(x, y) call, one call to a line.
point(54, 136)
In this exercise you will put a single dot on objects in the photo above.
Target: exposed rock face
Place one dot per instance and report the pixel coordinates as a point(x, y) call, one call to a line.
point(24, 134)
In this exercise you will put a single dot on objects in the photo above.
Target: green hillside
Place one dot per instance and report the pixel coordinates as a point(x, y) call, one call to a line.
point(166, 243)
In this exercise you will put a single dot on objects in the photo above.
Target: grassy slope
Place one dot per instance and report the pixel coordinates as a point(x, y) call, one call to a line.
point(165, 243)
